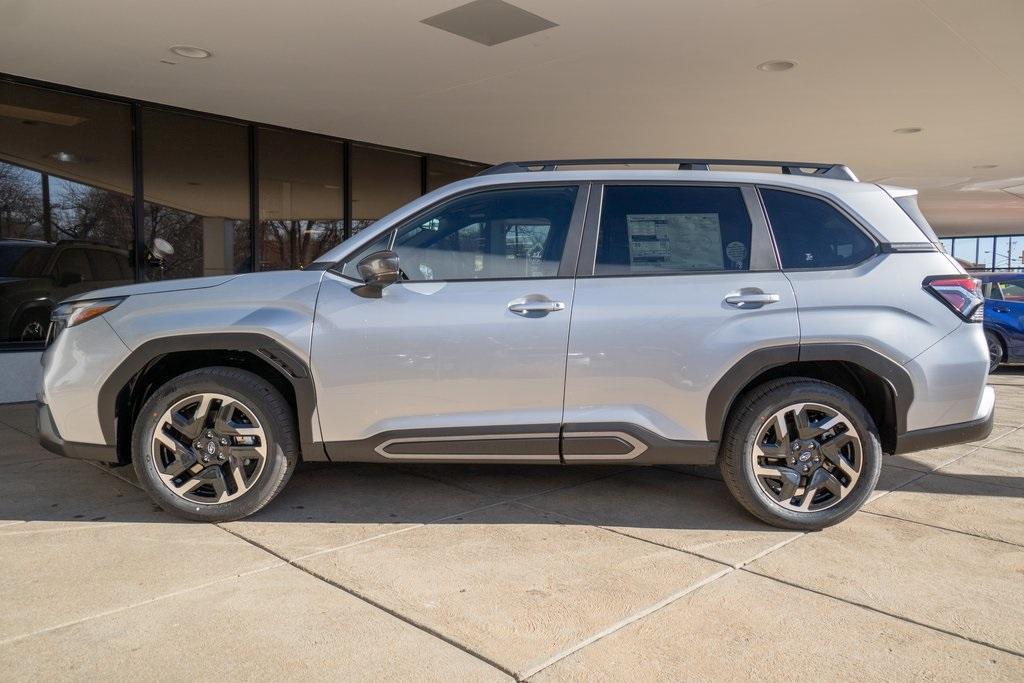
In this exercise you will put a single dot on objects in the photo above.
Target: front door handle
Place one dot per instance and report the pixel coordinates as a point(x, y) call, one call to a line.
point(751, 297)
point(535, 305)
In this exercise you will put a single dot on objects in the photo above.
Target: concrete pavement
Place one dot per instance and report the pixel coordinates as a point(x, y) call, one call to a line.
point(495, 572)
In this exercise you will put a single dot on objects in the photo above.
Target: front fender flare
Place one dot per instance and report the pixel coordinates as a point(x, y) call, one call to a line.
point(290, 366)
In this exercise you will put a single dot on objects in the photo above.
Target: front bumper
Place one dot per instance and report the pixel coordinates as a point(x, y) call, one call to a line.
point(51, 440)
point(948, 435)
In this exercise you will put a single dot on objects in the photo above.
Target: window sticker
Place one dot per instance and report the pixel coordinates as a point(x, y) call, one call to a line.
point(683, 241)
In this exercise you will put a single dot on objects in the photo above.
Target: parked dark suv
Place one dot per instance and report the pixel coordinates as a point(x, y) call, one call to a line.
point(35, 275)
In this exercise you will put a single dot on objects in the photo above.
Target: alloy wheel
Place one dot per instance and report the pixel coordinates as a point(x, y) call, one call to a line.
point(209, 448)
point(807, 457)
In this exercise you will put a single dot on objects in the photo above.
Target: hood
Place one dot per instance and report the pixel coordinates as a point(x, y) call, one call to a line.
point(155, 287)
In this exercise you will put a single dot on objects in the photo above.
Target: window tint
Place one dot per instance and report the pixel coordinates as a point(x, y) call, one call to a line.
point(1012, 290)
point(17, 260)
point(672, 229)
point(502, 234)
point(104, 265)
point(74, 261)
point(811, 233)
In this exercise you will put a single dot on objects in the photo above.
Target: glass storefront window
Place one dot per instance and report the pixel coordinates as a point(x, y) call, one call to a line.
point(440, 172)
point(986, 252)
point(1009, 252)
point(65, 203)
point(196, 181)
point(68, 212)
point(301, 198)
point(382, 181)
point(966, 249)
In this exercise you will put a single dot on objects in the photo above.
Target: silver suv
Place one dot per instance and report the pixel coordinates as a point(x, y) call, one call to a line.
point(789, 327)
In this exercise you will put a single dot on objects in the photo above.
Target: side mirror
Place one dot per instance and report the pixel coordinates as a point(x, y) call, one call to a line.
point(378, 270)
point(67, 279)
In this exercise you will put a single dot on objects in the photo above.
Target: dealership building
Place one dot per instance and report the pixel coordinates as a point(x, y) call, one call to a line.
point(215, 138)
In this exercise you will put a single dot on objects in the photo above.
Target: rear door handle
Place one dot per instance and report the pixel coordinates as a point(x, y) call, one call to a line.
point(751, 297)
point(532, 305)
point(1000, 309)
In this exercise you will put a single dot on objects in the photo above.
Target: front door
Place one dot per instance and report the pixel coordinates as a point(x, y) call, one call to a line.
point(678, 284)
point(465, 357)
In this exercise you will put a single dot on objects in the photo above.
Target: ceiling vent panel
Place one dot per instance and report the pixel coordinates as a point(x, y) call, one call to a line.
point(489, 22)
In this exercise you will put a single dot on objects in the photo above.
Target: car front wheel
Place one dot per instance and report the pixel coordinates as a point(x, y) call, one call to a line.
point(215, 444)
point(801, 454)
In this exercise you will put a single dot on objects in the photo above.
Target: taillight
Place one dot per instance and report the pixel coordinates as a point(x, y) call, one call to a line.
point(962, 293)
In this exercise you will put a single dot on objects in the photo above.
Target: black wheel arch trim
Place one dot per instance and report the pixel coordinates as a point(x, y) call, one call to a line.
point(291, 368)
point(725, 392)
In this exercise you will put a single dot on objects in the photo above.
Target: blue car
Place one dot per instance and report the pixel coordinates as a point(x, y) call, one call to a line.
point(1004, 317)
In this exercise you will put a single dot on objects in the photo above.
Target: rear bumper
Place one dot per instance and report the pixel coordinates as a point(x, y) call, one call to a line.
point(50, 439)
point(948, 435)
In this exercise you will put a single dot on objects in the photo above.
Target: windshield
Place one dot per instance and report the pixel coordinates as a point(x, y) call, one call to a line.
point(23, 260)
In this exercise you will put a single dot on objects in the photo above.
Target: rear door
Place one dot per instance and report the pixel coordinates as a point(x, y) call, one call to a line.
point(677, 284)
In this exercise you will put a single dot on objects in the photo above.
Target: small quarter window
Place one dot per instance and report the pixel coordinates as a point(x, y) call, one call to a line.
point(672, 229)
point(811, 233)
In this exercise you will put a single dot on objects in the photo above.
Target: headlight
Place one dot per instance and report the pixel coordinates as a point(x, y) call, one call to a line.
point(77, 312)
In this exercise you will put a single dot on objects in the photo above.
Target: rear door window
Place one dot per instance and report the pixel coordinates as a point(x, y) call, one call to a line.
point(671, 229)
point(811, 233)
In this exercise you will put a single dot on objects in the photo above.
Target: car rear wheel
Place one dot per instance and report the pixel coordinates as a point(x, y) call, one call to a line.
point(801, 454)
point(215, 444)
point(996, 352)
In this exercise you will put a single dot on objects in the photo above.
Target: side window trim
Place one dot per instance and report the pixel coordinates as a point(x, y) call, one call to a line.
point(762, 252)
point(570, 251)
point(843, 211)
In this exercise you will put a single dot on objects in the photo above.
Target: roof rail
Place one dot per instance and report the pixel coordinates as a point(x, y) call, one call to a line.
point(804, 168)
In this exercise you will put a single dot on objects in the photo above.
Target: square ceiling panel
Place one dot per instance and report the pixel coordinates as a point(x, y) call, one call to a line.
point(489, 22)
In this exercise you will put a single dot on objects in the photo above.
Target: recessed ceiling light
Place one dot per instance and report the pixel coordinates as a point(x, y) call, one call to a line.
point(776, 65)
point(190, 51)
point(64, 157)
point(986, 166)
point(908, 131)
point(168, 62)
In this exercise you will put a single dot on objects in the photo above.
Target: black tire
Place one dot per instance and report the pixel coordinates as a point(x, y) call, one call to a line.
point(996, 350)
point(753, 410)
point(274, 416)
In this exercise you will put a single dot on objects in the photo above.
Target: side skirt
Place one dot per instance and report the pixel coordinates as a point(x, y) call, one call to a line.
point(598, 443)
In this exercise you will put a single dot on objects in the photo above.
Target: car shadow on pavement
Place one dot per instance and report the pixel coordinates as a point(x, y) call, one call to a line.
point(58, 490)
